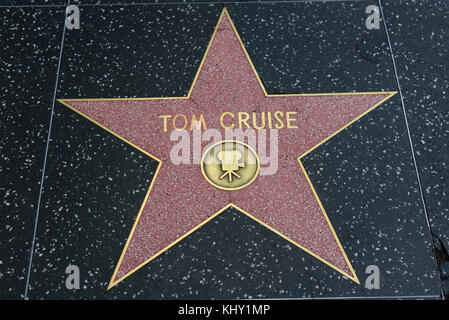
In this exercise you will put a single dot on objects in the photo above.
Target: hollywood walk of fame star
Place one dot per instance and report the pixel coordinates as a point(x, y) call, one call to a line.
point(180, 200)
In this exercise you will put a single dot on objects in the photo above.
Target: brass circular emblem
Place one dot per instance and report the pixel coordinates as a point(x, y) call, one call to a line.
point(230, 165)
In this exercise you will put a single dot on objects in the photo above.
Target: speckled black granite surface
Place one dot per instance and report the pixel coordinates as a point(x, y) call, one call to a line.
point(367, 181)
point(302, 47)
point(120, 52)
point(34, 2)
point(30, 40)
point(365, 176)
point(419, 33)
point(95, 185)
point(162, 2)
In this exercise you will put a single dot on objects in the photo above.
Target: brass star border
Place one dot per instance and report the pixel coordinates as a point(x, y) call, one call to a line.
point(112, 283)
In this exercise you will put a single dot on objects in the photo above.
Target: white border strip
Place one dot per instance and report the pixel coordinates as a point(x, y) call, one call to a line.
point(411, 144)
point(45, 160)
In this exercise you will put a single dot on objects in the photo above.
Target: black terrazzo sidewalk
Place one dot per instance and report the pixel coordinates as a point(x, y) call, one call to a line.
point(94, 183)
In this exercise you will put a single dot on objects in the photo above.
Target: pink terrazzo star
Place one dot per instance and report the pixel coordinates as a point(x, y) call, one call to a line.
point(180, 199)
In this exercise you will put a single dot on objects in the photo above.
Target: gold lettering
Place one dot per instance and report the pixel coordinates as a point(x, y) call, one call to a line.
point(165, 117)
point(277, 115)
point(270, 125)
point(262, 115)
point(290, 120)
point(199, 123)
point(243, 120)
point(222, 122)
point(176, 117)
